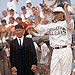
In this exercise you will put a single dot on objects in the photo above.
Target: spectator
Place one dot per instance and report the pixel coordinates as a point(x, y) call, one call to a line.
point(13, 14)
point(44, 52)
point(24, 14)
point(12, 4)
point(3, 32)
point(10, 27)
point(44, 60)
point(5, 16)
point(29, 7)
point(19, 21)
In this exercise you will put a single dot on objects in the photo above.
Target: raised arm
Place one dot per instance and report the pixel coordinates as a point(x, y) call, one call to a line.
point(53, 4)
point(17, 0)
point(67, 15)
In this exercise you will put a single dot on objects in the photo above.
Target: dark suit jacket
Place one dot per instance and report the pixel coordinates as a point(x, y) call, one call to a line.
point(23, 57)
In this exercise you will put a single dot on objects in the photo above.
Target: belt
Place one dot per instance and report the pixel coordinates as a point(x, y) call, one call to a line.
point(60, 47)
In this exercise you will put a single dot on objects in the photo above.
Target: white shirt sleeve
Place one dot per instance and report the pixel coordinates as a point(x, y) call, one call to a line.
point(8, 25)
point(71, 24)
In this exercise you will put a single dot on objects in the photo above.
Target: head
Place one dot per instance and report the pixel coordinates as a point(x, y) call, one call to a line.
point(11, 20)
point(59, 13)
point(43, 5)
point(4, 13)
point(29, 4)
point(19, 31)
point(29, 22)
point(11, 0)
point(11, 12)
point(3, 22)
point(18, 20)
point(34, 10)
point(23, 8)
point(47, 10)
point(40, 41)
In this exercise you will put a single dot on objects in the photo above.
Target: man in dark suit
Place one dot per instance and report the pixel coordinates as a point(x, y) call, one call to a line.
point(22, 53)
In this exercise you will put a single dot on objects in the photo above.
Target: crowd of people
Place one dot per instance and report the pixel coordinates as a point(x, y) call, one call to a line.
point(52, 19)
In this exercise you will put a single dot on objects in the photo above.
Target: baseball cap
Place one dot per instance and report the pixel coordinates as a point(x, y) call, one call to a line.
point(19, 27)
point(59, 9)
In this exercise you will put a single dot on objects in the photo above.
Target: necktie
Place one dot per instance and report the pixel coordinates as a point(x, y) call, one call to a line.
point(20, 42)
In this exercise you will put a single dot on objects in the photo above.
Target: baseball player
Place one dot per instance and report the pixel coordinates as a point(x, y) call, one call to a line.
point(60, 40)
point(60, 36)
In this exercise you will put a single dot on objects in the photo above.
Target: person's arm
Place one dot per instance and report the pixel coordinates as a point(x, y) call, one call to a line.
point(6, 29)
point(67, 15)
point(53, 4)
point(46, 55)
point(69, 21)
point(37, 15)
point(33, 53)
point(12, 58)
point(17, 0)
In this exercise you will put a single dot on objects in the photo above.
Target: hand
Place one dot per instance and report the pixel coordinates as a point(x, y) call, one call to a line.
point(51, 6)
point(37, 11)
point(66, 5)
point(44, 58)
point(13, 69)
point(33, 68)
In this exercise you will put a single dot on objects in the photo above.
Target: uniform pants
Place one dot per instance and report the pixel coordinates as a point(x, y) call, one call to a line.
point(61, 62)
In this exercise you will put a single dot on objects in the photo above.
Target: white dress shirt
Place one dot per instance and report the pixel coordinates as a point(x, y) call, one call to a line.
point(21, 40)
point(15, 15)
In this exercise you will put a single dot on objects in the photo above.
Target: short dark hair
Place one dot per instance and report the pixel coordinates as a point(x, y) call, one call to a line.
point(12, 18)
point(40, 40)
point(23, 7)
point(12, 10)
point(3, 21)
point(19, 18)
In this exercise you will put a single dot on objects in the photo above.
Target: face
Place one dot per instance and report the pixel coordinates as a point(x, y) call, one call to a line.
point(19, 32)
point(29, 5)
point(4, 23)
point(11, 0)
point(24, 11)
point(4, 13)
point(11, 20)
point(18, 21)
point(11, 13)
point(41, 44)
point(59, 15)
point(34, 10)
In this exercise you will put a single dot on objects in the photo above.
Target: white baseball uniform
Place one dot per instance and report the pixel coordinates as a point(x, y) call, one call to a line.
point(60, 36)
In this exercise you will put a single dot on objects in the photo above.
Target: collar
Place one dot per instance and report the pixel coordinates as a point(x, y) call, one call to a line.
point(20, 38)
